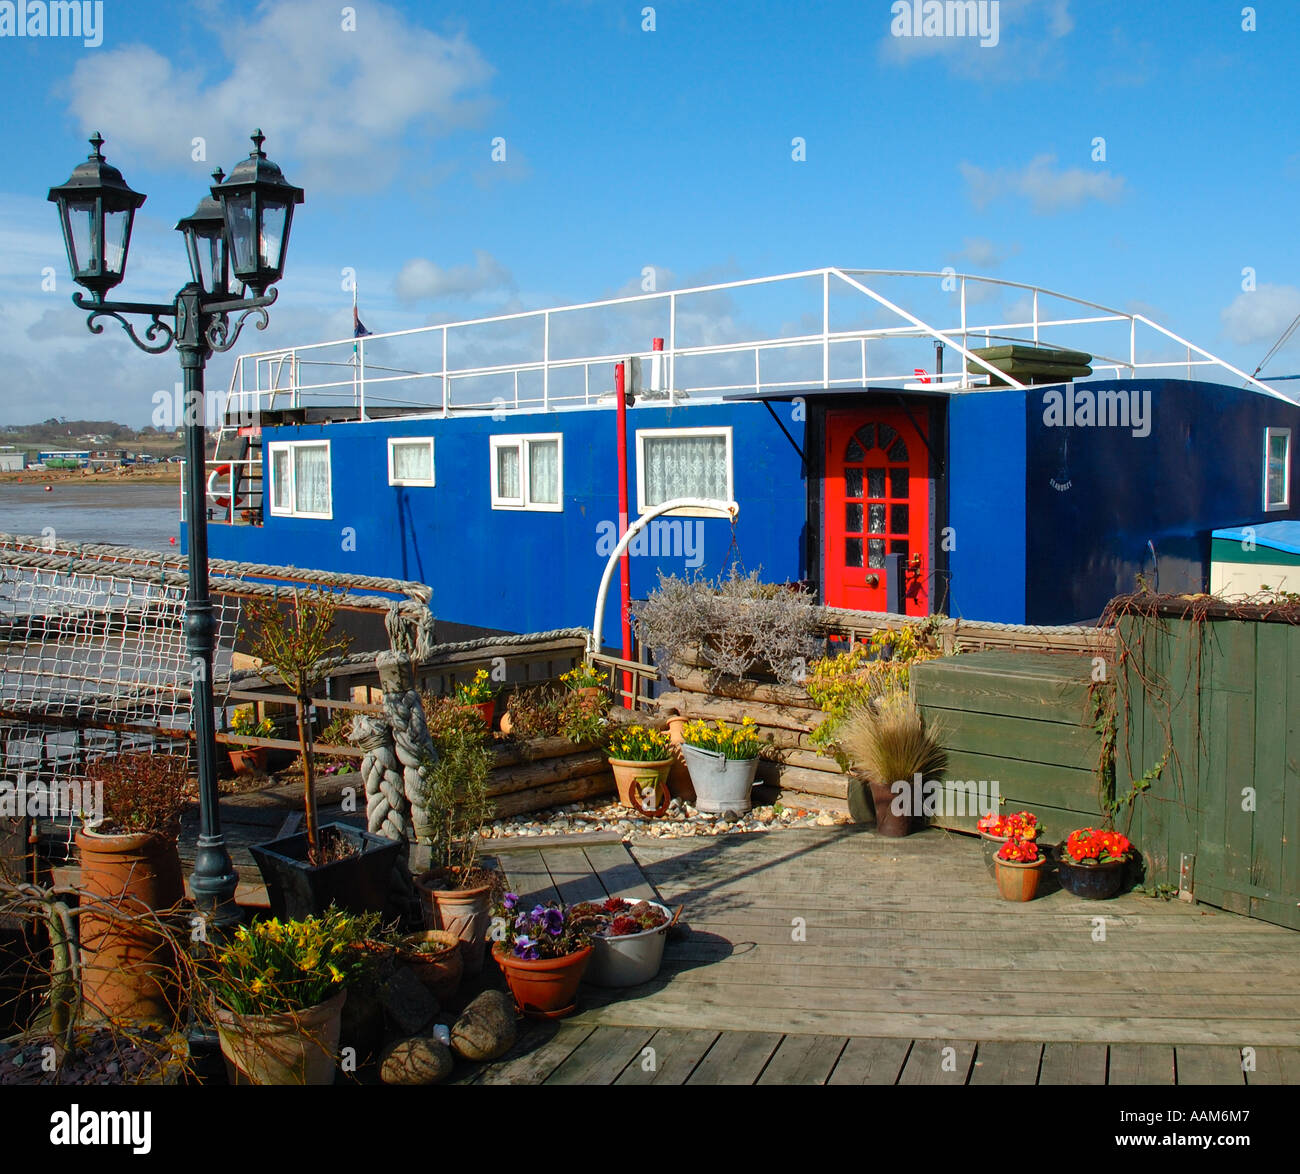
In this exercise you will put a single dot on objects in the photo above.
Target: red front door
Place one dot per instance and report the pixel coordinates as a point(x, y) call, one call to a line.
point(877, 503)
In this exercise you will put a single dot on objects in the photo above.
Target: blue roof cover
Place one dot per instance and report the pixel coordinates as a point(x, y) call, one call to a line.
point(1275, 535)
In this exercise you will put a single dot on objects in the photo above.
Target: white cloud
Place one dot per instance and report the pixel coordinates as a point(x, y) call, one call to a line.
point(1020, 44)
point(1262, 315)
point(421, 278)
point(1048, 188)
point(338, 103)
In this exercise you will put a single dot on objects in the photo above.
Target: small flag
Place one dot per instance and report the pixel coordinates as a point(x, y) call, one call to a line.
point(358, 327)
point(921, 375)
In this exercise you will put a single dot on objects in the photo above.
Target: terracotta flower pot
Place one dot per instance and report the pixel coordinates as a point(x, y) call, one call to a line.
point(435, 958)
point(466, 913)
point(546, 988)
point(1019, 881)
point(626, 773)
point(888, 822)
point(296, 1047)
point(486, 710)
point(128, 968)
point(990, 846)
point(248, 760)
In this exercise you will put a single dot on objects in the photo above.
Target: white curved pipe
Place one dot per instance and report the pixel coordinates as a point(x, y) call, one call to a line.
point(710, 507)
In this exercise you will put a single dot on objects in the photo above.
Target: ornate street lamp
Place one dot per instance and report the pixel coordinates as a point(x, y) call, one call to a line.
point(237, 234)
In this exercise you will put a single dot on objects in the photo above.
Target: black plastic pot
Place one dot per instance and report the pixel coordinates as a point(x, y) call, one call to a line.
point(359, 884)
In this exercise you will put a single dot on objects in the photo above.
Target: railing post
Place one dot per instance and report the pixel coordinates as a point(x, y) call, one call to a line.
point(361, 372)
point(965, 340)
point(445, 394)
point(672, 345)
point(546, 361)
point(826, 328)
point(1035, 317)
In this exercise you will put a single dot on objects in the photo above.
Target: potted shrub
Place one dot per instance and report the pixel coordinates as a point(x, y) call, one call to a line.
point(1019, 867)
point(337, 864)
point(130, 874)
point(627, 939)
point(479, 695)
point(456, 892)
point(887, 746)
point(1091, 863)
point(996, 829)
point(247, 759)
point(276, 991)
point(543, 953)
point(723, 761)
point(640, 758)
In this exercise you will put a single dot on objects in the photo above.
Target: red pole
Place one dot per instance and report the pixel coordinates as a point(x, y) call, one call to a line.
point(625, 566)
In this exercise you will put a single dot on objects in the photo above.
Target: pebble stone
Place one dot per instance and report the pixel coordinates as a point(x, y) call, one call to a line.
point(681, 820)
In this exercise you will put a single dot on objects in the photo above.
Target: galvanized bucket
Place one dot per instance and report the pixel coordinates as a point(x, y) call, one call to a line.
point(721, 784)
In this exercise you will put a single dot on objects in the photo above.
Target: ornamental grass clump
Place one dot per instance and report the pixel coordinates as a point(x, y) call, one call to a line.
point(273, 967)
point(544, 931)
point(886, 741)
point(736, 743)
point(638, 744)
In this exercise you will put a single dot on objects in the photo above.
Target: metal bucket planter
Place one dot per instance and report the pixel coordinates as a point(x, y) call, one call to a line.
point(721, 783)
point(631, 959)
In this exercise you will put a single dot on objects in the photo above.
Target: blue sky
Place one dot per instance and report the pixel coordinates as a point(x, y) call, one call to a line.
point(671, 149)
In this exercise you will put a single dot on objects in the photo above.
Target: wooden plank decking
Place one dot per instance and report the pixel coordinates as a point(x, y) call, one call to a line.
point(835, 956)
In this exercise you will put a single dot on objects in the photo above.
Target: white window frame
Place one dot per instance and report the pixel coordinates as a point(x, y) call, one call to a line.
point(395, 480)
point(1285, 503)
point(269, 468)
point(522, 443)
point(644, 434)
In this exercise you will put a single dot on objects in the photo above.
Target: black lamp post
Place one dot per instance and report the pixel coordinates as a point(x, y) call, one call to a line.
point(238, 234)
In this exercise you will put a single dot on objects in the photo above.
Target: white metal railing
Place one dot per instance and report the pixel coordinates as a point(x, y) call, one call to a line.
point(415, 370)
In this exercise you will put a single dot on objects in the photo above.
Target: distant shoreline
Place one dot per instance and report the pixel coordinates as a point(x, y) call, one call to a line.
point(126, 475)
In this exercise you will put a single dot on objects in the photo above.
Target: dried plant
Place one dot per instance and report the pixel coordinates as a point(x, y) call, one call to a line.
point(142, 792)
point(885, 741)
point(738, 624)
point(299, 647)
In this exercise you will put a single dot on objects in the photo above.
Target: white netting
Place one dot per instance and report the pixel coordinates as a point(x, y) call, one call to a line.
point(107, 646)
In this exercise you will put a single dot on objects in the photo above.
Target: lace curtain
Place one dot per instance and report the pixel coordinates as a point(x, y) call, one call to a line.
point(413, 460)
point(684, 466)
point(508, 474)
point(280, 479)
point(544, 471)
point(311, 480)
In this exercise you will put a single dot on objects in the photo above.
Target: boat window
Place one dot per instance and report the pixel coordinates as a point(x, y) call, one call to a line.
point(528, 472)
point(300, 479)
point(1277, 468)
point(410, 460)
point(683, 462)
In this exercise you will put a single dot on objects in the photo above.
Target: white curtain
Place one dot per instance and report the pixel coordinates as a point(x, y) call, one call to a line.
point(508, 474)
point(311, 479)
point(413, 460)
point(280, 480)
point(544, 471)
point(685, 466)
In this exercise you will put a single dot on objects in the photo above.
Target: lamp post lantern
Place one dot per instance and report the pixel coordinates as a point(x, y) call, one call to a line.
point(237, 234)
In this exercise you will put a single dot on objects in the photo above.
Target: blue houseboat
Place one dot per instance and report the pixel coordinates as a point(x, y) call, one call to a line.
point(1011, 479)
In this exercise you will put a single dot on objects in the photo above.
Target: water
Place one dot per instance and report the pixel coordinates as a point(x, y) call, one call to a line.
point(144, 515)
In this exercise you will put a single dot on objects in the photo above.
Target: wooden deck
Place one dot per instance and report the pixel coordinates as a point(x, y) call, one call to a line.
point(837, 956)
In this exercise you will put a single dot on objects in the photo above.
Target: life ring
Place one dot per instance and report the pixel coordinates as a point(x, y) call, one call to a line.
point(220, 500)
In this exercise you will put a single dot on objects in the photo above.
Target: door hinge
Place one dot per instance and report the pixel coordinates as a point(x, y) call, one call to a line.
point(1186, 869)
